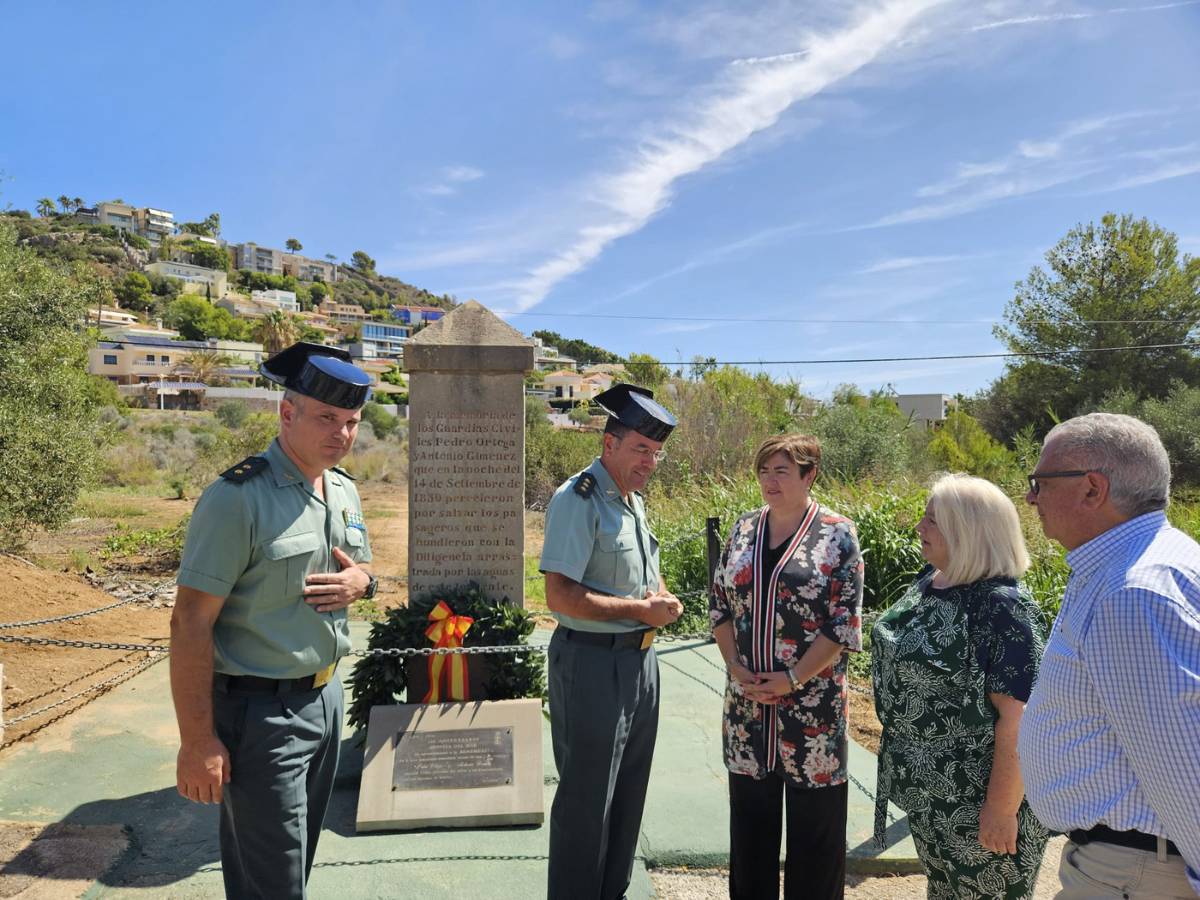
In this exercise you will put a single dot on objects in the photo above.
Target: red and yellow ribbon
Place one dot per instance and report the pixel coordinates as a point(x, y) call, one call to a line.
point(447, 630)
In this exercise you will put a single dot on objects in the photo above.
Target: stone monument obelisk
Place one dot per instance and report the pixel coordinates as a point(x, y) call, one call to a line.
point(466, 454)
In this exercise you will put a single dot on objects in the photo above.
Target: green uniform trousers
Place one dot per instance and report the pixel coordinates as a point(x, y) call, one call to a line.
point(283, 751)
point(603, 721)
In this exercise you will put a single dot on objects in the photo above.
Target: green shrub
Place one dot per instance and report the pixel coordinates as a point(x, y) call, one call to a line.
point(382, 680)
point(382, 422)
point(160, 547)
point(232, 413)
point(862, 440)
point(886, 523)
point(551, 457)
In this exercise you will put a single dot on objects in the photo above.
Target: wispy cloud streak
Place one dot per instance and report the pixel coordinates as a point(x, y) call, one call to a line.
point(1075, 152)
point(1048, 18)
point(451, 177)
point(752, 96)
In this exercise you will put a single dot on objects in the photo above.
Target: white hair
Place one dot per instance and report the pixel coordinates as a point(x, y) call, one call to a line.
point(981, 528)
point(1126, 450)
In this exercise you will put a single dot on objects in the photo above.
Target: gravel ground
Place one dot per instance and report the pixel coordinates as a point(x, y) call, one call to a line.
point(711, 884)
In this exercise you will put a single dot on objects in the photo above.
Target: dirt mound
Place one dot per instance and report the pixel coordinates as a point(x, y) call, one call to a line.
point(37, 676)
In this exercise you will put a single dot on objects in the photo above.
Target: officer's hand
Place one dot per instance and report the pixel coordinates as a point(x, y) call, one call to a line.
point(327, 592)
point(201, 769)
point(663, 608)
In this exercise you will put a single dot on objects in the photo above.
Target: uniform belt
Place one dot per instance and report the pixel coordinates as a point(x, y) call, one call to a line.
point(1102, 834)
point(613, 640)
point(254, 684)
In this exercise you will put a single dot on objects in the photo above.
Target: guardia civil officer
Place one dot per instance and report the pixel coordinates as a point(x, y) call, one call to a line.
point(275, 553)
point(603, 586)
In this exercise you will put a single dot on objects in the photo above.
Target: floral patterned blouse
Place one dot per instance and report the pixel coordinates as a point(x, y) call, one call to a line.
point(816, 588)
point(936, 656)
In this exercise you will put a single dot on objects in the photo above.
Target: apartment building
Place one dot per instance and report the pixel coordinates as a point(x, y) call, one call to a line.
point(568, 385)
point(257, 259)
point(146, 221)
point(343, 313)
point(417, 315)
point(546, 358)
point(153, 224)
point(141, 360)
point(285, 300)
point(304, 269)
point(386, 340)
point(270, 261)
point(928, 409)
point(118, 215)
point(196, 279)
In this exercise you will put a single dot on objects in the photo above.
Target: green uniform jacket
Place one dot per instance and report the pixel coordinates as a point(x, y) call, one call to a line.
point(254, 542)
point(594, 537)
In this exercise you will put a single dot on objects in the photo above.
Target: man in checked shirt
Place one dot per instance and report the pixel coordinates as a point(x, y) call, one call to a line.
point(1110, 740)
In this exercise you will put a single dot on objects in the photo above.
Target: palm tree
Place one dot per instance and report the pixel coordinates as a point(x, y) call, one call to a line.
point(275, 331)
point(46, 208)
point(77, 203)
point(65, 202)
point(205, 366)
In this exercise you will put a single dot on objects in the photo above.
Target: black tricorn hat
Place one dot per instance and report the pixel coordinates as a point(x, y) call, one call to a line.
point(635, 407)
point(323, 373)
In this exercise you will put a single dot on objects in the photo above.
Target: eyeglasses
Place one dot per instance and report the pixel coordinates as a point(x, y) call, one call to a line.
point(646, 453)
point(1036, 478)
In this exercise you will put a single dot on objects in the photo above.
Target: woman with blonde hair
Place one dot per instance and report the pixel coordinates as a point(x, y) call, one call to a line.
point(953, 663)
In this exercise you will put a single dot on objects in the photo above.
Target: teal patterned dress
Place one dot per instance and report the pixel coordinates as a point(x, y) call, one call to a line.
point(936, 656)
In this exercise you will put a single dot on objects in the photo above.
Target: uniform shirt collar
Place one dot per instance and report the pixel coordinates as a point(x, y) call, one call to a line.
point(1087, 558)
point(285, 471)
point(605, 486)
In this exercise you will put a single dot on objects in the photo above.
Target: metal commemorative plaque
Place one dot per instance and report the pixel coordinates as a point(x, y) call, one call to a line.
point(457, 758)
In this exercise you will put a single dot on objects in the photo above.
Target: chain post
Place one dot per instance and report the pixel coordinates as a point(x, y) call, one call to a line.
point(712, 534)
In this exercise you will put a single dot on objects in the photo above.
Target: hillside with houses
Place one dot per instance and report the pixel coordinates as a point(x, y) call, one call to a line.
point(183, 317)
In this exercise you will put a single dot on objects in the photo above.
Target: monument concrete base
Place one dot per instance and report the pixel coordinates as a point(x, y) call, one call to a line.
point(452, 765)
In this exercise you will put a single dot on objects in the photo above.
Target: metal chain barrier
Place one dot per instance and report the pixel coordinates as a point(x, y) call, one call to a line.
point(407, 652)
point(99, 686)
point(86, 645)
point(89, 612)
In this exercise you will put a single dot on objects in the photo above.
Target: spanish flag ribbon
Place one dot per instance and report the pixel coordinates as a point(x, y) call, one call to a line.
point(447, 630)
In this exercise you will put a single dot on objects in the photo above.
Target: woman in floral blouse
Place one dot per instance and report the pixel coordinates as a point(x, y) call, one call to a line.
point(953, 662)
point(785, 608)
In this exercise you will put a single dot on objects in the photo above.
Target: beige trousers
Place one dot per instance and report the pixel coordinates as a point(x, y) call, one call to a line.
point(1098, 870)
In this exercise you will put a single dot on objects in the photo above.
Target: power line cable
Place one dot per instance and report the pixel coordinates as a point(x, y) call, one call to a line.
point(879, 359)
point(781, 321)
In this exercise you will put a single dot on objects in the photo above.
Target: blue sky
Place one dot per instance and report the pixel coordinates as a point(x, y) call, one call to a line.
point(871, 176)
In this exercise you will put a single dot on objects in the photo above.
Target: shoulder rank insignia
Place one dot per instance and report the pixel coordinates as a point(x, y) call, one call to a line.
point(353, 519)
point(341, 471)
point(246, 469)
point(585, 484)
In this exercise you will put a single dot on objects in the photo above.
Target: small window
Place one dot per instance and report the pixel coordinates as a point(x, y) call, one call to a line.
point(164, 359)
point(110, 359)
point(150, 358)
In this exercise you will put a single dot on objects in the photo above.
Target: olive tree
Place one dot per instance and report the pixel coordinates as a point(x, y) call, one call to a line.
point(49, 436)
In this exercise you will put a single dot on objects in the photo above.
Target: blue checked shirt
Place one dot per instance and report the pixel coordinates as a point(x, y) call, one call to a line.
point(1111, 734)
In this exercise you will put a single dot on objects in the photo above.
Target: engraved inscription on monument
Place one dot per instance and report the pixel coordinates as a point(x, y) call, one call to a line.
point(465, 758)
point(467, 480)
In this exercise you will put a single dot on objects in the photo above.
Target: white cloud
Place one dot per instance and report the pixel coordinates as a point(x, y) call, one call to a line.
point(1047, 18)
point(910, 262)
point(1077, 151)
point(1163, 173)
point(449, 179)
point(562, 47)
point(750, 98)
